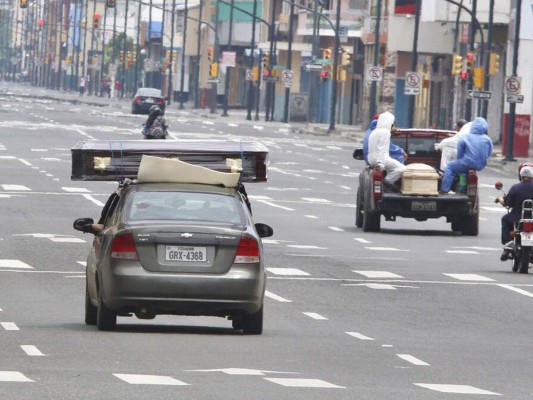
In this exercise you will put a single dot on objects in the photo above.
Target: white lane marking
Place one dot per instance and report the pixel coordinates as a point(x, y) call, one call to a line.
point(14, 264)
point(413, 360)
point(241, 371)
point(345, 187)
point(15, 187)
point(268, 203)
point(269, 241)
point(313, 200)
point(517, 290)
point(378, 274)
point(39, 150)
point(9, 326)
point(499, 210)
point(311, 216)
point(461, 389)
point(361, 240)
point(23, 161)
point(67, 240)
point(478, 248)
point(301, 246)
point(309, 383)
point(315, 316)
point(149, 380)
point(75, 190)
point(461, 252)
point(276, 297)
point(385, 249)
point(256, 197)
point(8, 158)
point(31, 350)
point(336, 229)
point(91, 198)
point(82, 263)
point(13, 376)
point(287, 271)
point(470, 277)
point(359, 336)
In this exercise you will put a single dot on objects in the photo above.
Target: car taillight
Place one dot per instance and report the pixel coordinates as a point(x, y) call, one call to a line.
point(377, 183)
point(161, 102)
point(527, 226)
point(247, 252)
point(123, 247)
point(137, 99)
point(472, 184)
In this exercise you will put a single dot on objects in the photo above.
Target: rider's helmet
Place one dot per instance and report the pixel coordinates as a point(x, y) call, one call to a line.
point(155, 109)
point(526, 171)
point(522, 165)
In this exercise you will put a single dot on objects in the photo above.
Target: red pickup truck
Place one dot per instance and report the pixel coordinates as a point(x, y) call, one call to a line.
point(461, 208)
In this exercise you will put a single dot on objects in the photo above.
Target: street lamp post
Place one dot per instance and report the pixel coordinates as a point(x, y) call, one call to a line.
point(184, 39)
point(228, 71)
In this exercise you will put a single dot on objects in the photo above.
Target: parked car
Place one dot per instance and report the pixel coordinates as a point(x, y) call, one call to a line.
point(146, 98)
point(178, 249)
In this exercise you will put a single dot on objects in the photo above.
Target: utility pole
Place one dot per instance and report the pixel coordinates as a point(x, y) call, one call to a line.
point(252, 58)
point(469, 86)
point(373, 87)
point(198, 54)
point(184, 41)
point(289, 63)
point(228, 71)
point(414, 60)
point(486, 61)
point(333, 104)
point(512, 106)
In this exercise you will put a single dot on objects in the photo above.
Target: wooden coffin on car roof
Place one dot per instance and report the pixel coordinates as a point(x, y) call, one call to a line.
point(114, 160)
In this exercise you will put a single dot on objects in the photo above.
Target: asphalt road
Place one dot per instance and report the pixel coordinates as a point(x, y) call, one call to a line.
point(412, 312)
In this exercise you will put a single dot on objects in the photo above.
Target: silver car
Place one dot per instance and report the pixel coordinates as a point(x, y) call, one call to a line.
point(182, 249)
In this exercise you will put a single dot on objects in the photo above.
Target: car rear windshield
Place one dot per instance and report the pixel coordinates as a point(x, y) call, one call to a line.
point(417, 146)
point(149, 92)
point(192, 206)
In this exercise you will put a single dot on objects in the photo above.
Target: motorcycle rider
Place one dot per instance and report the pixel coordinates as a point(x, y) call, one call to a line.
point(155, 126)
point(513, 199)
point(379, 151)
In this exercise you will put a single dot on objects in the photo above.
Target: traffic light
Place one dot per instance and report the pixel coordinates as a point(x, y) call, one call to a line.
point(494, 63)
point(96, 20)
point(469, 64)
point(167, 54)
point(346, 59)
point(478, 80)
point(213, 70)
point(23, 4)
point(111, 3)
point(327, 54)
point(210, 54)
point(324, 75)
point(341, 73)
point(266, 60)
point(457, 66)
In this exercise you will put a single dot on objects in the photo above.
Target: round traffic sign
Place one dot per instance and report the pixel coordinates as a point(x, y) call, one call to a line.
point(512, 85)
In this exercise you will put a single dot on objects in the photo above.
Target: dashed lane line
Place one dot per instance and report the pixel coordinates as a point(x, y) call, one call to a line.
point(287, 271)
point(413, 360)
point(458, 389)
point(316, 316)
point(378, 274)
point(276, 297)
point(359, 336)
point(470, 277)
point(304, 383)
point(13, 376)
point(31, 350)
point(150, 380)
point(9, 326)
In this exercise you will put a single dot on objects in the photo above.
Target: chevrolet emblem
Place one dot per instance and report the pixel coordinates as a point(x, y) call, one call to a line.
point(187, 235)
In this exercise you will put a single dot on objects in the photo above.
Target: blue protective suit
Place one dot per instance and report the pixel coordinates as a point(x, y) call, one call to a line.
point(473, 151)
point(395, 151)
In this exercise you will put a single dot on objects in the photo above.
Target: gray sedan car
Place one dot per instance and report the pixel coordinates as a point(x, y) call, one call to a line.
point(181, 249)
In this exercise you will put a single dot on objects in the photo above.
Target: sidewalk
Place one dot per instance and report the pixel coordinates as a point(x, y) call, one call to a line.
point(355, 133)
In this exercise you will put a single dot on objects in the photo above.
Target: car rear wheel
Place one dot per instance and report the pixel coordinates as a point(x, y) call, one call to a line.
point(106, 320)
point(90, 310)
point(252, 324)
point(371, 221)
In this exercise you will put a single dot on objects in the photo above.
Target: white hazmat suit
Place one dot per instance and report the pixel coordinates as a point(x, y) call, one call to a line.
point(448, 146)
point(378, 149)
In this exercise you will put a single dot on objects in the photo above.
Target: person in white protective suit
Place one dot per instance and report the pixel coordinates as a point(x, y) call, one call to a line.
point(378, 150)
point(448, 146)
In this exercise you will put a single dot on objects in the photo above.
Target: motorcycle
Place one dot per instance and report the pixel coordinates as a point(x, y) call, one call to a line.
point(520, 249)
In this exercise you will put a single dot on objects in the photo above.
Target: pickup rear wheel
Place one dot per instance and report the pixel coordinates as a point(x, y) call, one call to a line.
point(371, 221)
point(471, 224)
point(359, 209)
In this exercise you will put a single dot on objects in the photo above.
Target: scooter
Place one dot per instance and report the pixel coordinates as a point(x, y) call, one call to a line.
point(520, 248)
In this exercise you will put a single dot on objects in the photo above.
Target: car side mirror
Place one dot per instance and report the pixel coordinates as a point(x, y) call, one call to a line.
point(81, 222)
point(358, 154)
point(264, 230)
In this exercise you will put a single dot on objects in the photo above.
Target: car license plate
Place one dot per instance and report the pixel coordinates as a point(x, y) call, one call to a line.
point(424, 206)
point(526, 238)
point(149, 100)
point(186, 253)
